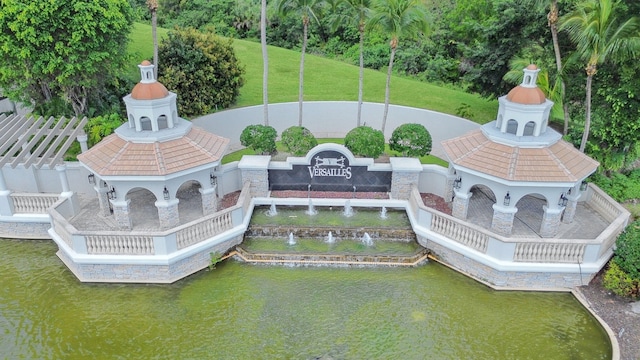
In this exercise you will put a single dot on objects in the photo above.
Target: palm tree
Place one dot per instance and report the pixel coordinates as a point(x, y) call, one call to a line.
point(306, 9)
point(553, 18)
point(153, 9)
point(360, 8)
point(600, 35)
point(265, 60)
point(398, 18)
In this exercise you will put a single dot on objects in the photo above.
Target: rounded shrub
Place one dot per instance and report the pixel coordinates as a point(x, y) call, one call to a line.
point(620, 283)
point(202, 68)
point(260, 138)
point(411, 140)
point(298, 140)
point(627, 252)
point(365, 141)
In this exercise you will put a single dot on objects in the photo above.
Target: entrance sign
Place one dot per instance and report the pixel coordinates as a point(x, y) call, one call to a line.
point(330, 167)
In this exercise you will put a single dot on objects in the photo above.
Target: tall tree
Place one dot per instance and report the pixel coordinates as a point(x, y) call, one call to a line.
point(600, 35)
point(265, 60)
point(153, 9)
point(398, 19)
point(361, 9)
point(306, 9)
point(62, 49)
point(552, 20)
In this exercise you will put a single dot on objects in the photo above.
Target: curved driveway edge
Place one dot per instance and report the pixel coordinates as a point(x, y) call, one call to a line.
point(335, 119)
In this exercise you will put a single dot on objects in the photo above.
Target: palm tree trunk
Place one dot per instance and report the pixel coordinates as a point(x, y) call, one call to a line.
point(587, 119)
point(553, 25)
point(387, 87)
point(304, 49)
point(265, 61)
point(154, 33)
point(361, 76)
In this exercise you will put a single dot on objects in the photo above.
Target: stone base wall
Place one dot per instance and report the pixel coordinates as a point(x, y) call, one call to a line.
point(25, 230)
point(505, 279)
point(133, 273)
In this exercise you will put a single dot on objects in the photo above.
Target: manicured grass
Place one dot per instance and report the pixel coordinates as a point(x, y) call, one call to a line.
point(325, 79)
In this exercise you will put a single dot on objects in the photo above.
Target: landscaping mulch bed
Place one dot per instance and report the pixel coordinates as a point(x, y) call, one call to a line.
point(617, 313)
point(614, 310)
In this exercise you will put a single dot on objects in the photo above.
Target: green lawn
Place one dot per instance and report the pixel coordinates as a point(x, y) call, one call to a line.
point(325, 79)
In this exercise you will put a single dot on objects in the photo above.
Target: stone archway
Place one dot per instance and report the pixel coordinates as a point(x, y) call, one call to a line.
point(190, 205)
point(481, 205)
point(142, 209)
point(530, 213)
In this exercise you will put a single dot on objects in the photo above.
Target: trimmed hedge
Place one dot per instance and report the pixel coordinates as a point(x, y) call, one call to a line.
point(365, 141)
point(298, 140)
point(260, 138)
point(411, 140)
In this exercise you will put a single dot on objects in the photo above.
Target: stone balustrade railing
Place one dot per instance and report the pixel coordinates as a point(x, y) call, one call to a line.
point(549, 252)
point(203, 229)
point(603, 204)
point(147, 243)
point(26, 203)
point(526, 249)
point(122, 244)
point(453, 229)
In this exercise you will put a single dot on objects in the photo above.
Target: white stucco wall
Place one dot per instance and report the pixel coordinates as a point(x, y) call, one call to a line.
point(334, 119)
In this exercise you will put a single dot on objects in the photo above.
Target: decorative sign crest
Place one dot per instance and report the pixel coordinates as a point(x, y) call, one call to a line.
point(329, 167)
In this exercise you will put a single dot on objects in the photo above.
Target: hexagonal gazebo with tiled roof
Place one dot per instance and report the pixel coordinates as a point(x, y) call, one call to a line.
point(156, 151)
point(518, 155)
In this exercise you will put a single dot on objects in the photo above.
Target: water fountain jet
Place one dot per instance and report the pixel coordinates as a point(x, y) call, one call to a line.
point(366, 239)
point(348, 210)
point(383, 212)
point(330, 239)
point(292, 240)
point(311, 210)
point(272, 210)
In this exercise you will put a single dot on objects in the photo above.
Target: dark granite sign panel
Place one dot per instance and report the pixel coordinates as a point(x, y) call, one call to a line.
point(330, 170)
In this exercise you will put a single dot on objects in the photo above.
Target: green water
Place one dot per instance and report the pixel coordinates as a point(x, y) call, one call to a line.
point(331, 217)
point(240, 311)
point(317, 246)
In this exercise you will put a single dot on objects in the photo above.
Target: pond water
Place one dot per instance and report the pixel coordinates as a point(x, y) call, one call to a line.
point(240, 311)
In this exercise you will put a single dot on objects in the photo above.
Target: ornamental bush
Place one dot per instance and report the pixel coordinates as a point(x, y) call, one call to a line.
point(260, 138)
point(365, 141)
point(618, 281)
point(298, 140)
point(623, 275)
point(202, 68)
point(627, 252)
point(411, 140)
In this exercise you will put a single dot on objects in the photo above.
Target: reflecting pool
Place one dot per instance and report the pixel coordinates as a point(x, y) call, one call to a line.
point(240, 311)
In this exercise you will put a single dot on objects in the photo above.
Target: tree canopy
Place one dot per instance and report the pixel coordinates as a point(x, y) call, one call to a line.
point(202, 68)
point(67, 50)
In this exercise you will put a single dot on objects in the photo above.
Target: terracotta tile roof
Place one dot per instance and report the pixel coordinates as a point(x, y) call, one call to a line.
point(559, 162)
point(114, 156)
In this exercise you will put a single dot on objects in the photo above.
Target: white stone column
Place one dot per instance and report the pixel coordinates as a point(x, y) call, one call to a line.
point(572, 205)
point(461, 205)
point(255, 169)
point(502, 221)
point(405, 172)
point(168, 213)
point(82, 139)
point(6, 204)
point(103, 199)
point(550, 221)
point(66, 190)
point(121, 214)
point(209, 200)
